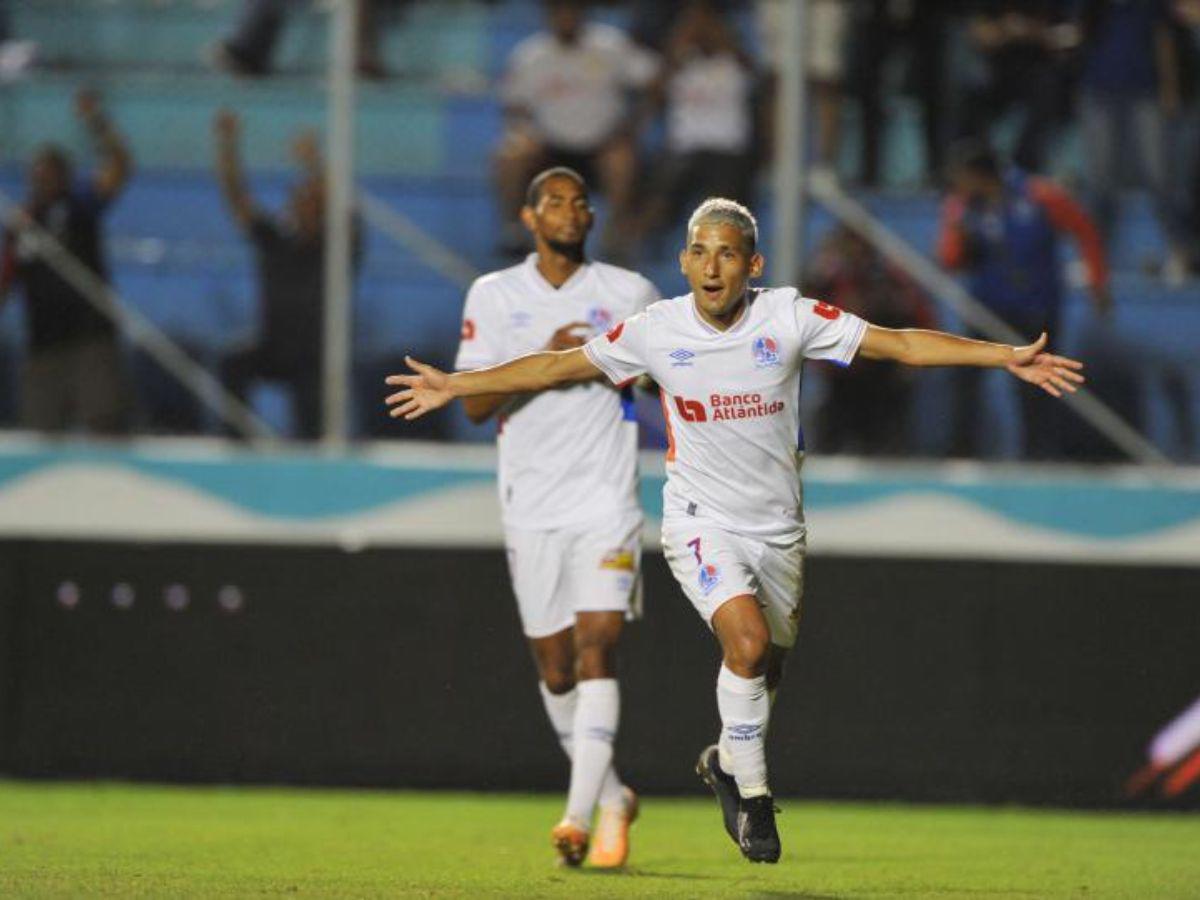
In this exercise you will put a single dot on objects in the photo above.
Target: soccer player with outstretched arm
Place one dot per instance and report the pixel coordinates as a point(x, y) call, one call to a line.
point(728, 358)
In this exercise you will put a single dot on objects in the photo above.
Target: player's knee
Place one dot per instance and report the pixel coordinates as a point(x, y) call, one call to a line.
point(747, 653)
point(597, 660)
point(559, 681)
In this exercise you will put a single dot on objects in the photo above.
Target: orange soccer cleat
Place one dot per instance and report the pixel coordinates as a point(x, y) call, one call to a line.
point(611, 848)
point(570, 841)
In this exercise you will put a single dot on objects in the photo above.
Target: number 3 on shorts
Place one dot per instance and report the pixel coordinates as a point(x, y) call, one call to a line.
point(694, 543)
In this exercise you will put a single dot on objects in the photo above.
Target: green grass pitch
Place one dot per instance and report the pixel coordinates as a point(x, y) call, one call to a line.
point(71, 840)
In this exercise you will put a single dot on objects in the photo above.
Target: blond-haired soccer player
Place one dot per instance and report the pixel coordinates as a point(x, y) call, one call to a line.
point(733, 527)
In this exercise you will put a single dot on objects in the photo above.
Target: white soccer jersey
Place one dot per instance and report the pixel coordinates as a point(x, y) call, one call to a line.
point(575, 92)
point(709, 105)
point(731, 401)
point(567, 456)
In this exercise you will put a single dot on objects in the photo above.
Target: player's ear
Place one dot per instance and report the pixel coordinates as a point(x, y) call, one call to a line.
point(756, 265)
point(683, 260)
point(529, 218)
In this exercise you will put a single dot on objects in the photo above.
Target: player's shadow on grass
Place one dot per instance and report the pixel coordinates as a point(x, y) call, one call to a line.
point(643, 873)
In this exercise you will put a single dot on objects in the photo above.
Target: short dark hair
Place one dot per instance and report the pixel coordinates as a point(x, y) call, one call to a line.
point(975, 156)
point(533, 194)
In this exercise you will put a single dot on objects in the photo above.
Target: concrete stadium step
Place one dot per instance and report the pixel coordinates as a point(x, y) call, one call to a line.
point(441, 41)
point(169, 121)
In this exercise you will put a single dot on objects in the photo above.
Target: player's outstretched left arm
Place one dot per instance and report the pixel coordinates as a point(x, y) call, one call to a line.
point(430, 388)
point(914, 347)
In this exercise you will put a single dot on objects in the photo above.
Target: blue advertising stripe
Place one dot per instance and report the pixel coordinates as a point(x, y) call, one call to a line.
point(310, 487)
point(1087, 510)
point(281, 487)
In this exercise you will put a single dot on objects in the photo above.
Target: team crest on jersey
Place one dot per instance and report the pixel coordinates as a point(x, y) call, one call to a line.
point(520, 319)
point(619, 560)
point(710, 577)
point(600, 318)
point(681, 357)
point(766, 352)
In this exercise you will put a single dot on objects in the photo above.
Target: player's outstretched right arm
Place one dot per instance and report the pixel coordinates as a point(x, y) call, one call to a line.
point(431, 388)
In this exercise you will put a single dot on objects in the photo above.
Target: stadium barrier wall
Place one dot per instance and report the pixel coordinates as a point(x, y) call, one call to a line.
point(218, 617)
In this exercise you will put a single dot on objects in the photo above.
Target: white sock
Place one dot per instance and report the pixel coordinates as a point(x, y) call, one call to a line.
point(724, 757)
point(560, 709)
point(745, 711)
point(596, 718)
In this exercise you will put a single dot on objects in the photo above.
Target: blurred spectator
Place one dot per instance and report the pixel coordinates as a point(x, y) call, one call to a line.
point(564, 95)
point(708, 87)
point(1022, 46)
point(1002, 229)
point(825, 31)
point(250, 48)
point(74, 373)
point(16, 56)
point(866, 409)
point(1130, 87)
point(290, 254)
point(918, 29)
point(652, 22)
point(1187, 17)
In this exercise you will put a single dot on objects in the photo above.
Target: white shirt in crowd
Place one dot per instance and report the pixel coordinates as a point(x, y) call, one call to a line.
point(575, 93)
point(567, 456)
point(731, 401)
point(709, 105)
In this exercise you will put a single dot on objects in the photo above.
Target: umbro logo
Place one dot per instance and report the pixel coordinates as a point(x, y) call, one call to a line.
point(681, 357)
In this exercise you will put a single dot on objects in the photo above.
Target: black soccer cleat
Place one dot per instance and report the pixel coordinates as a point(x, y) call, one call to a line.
point(708, 767)
point(757, 836)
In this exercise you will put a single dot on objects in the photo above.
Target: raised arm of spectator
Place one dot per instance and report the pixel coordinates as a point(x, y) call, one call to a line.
point(306, 151)
point(227, 134)
point(1068, 216)
point(116, 162)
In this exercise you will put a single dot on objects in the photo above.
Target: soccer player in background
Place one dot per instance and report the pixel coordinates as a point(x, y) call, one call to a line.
point(572, 522)
point(728, 360)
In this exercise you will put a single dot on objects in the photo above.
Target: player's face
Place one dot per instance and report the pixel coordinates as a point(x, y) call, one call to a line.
point(565, 20)
point(563, 215)
point(718, 266)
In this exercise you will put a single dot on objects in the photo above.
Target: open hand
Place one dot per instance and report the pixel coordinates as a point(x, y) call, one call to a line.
point(1053, 374)
point(427, 390)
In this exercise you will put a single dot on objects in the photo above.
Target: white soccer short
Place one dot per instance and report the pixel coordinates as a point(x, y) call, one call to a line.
point(559, 572)
point(713, 565)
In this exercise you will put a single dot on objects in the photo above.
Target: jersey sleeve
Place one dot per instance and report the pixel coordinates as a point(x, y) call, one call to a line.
point(827, 332)
point(620, 354)
point(482, 340)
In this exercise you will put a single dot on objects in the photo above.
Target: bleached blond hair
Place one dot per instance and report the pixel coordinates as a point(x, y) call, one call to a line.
point(721, 210)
